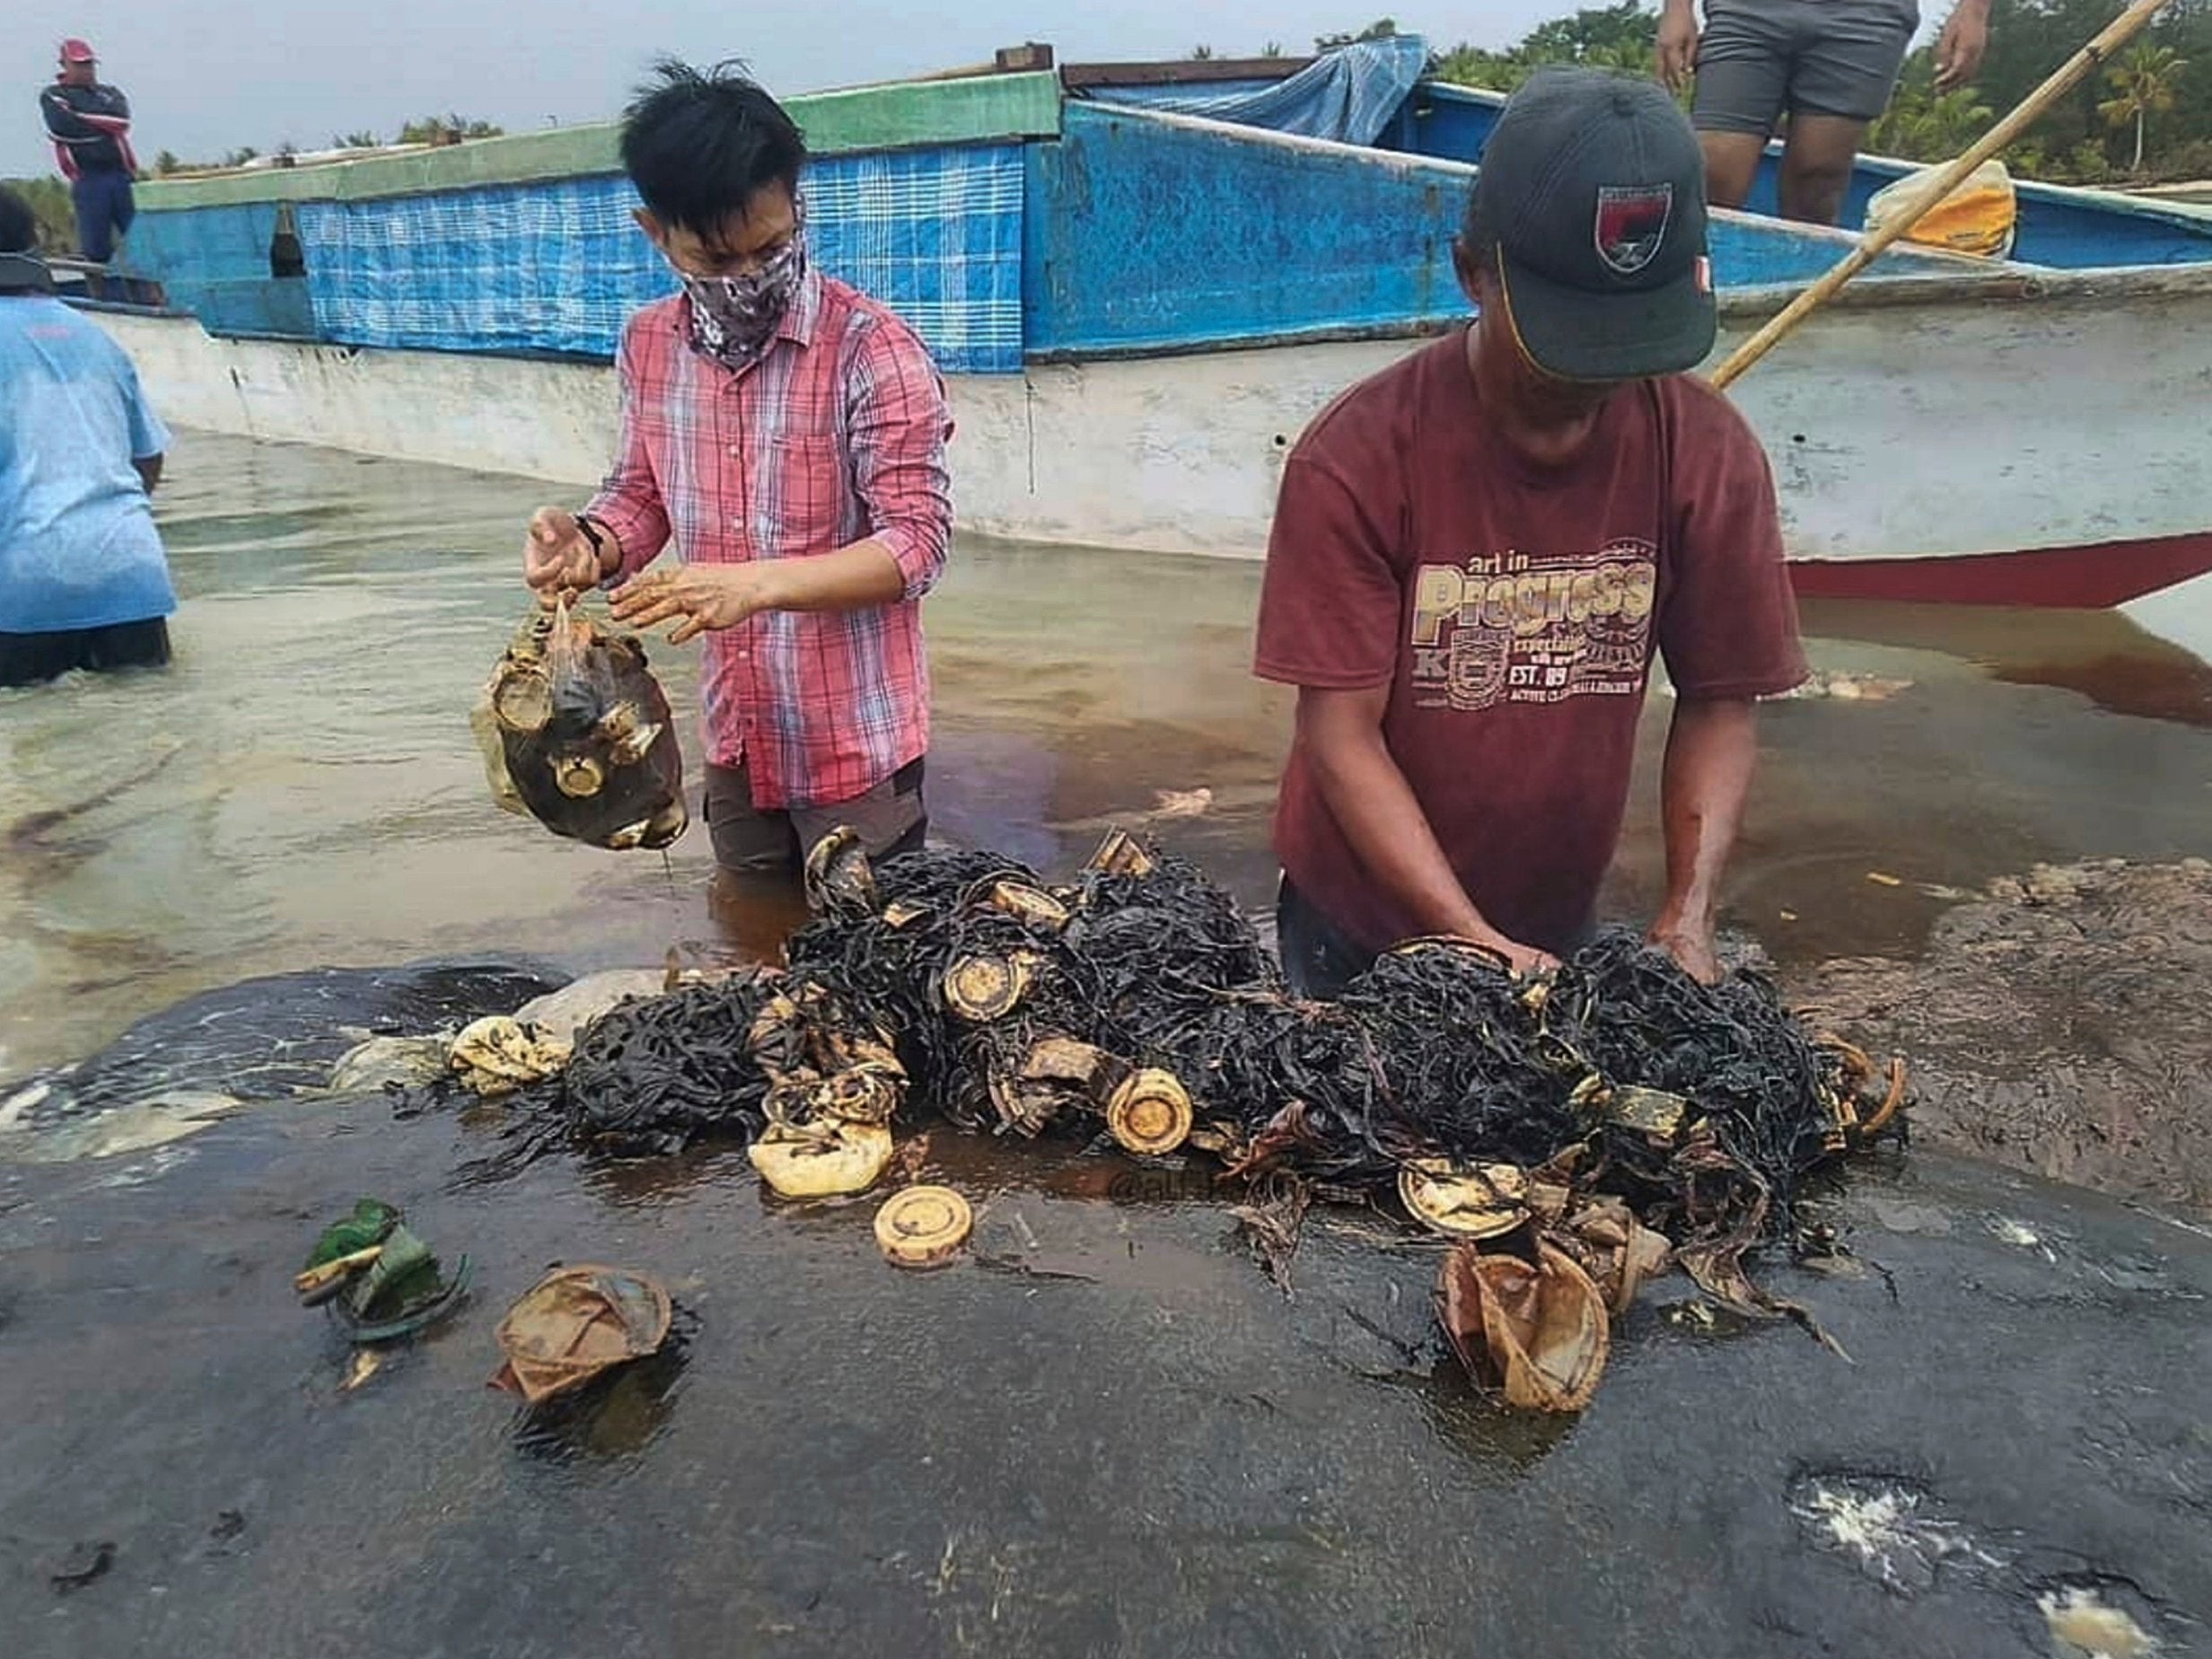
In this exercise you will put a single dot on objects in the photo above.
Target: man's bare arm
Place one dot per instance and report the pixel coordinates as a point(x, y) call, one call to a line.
point(1712, 746)
point(1341, 733)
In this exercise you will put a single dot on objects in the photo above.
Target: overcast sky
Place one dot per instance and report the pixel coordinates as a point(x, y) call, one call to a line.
point(207, 77)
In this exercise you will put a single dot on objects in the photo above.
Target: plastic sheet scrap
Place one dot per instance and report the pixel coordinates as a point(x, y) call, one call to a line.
point(1535, 1331)
point(378, 1279)
point(575, 1325)
point(499, 1054)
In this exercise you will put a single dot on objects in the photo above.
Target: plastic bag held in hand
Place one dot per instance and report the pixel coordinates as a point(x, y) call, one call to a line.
point(577, 734)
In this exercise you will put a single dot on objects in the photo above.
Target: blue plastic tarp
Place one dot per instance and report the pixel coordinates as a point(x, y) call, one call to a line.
point(1348, 94)
point(557, 265)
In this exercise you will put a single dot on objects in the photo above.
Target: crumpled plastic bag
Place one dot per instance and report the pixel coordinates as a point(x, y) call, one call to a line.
point(499, 1054)
point(380, 1280)
point(1536, 1332)
point(1980, 217)
point(576, 732)
point(576, 1323)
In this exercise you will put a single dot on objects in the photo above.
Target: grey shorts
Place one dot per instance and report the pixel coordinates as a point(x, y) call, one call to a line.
point(1759, 60)
point(890, 817)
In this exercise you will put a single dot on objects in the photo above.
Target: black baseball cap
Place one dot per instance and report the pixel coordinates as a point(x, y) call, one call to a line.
point(1591, 197)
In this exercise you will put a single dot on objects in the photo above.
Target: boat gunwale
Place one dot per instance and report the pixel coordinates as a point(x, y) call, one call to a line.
point(1002, 109)
point(2001, 286)
point(2010, 284)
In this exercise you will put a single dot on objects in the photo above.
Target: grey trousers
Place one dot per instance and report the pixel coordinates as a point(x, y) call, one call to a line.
point(890, 817)
point(1759, 60)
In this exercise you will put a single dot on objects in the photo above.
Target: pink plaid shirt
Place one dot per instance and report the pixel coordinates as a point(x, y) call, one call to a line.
point(835, 436)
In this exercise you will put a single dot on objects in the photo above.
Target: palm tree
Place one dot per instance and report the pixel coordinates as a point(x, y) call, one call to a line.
point(1469, 65)
point(2142, 81)
point(1924, 125)
point(1624, 57)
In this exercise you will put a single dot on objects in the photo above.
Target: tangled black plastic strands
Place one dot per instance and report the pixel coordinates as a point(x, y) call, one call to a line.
point(1015, 1006)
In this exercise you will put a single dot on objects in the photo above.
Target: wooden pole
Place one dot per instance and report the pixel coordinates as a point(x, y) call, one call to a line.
point(1947, 179)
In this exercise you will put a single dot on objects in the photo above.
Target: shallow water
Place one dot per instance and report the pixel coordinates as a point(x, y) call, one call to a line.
point(301, 787)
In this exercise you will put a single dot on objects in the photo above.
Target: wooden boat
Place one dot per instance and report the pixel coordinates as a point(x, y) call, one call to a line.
point(1140, 297)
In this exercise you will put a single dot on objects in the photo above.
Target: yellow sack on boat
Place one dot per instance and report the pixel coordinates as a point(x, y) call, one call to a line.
point(1980, 217)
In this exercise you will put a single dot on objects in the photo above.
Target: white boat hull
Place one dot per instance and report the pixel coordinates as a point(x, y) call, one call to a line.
point(1997, 439)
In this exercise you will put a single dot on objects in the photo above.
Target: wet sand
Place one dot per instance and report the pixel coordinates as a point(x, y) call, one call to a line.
point(1102, 1432)
point(2059, 1024)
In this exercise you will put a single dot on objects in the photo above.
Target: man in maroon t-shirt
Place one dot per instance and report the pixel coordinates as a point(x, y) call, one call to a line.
point(1477, 551)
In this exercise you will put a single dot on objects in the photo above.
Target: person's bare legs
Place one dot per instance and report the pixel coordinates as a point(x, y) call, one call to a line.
point(1817, 158)
point(1731, 166)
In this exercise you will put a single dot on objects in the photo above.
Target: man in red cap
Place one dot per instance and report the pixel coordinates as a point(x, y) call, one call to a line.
point(89, 124)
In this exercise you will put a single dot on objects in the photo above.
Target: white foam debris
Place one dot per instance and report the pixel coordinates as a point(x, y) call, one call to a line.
point(2018, 1234)
point(2084, 1626)
point(21, 1103)
point(1885, 1530)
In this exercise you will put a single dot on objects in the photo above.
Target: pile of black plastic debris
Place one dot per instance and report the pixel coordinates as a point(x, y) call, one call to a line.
point(1575, 1134)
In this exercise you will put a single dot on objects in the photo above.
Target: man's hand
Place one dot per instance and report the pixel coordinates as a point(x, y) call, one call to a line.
point(1524, 960)
point(704, 596)
point(558, 556)
point(1691, 944)
point(1677, 46)
point(1959, 48)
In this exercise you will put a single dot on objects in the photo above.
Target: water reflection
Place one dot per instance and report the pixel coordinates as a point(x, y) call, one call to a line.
point(1482, 1431)
point(2100, 654)
point(755, 913)
point(614, 1416)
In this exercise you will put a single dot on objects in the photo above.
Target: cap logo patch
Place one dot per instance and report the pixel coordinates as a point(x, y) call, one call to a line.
point(1631, 223)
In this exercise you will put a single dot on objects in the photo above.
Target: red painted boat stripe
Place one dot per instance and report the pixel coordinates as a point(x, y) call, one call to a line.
point(2092, 577)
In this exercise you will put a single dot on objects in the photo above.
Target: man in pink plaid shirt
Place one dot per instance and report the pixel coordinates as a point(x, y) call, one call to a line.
point(788, 434)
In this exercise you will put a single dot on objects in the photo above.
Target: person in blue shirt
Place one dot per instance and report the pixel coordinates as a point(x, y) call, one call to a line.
point(84, 581)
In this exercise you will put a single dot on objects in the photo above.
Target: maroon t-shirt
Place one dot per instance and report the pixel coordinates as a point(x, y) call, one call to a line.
point(1512, 609)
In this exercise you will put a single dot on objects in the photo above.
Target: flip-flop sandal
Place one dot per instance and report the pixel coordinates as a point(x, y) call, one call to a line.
point(408, 1321)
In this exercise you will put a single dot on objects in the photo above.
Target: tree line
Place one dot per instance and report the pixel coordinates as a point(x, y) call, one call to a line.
point(432, 130)
point(2147, 117)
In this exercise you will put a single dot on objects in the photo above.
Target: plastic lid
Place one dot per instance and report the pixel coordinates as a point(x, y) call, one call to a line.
point(1474, 1204)
point(1150, 1113)
point(923, 1226)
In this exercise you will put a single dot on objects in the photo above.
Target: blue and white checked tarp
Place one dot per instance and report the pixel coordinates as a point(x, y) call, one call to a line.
point(935, 234)
point(1348, 94)
point(559, 266)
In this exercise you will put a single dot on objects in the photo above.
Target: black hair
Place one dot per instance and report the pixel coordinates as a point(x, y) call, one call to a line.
point(698, 144)
point(1477, 228)
point(1477, 242)
point(19, 226)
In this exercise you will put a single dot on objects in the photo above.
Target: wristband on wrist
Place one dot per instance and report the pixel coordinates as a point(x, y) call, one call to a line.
point(596, 534)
